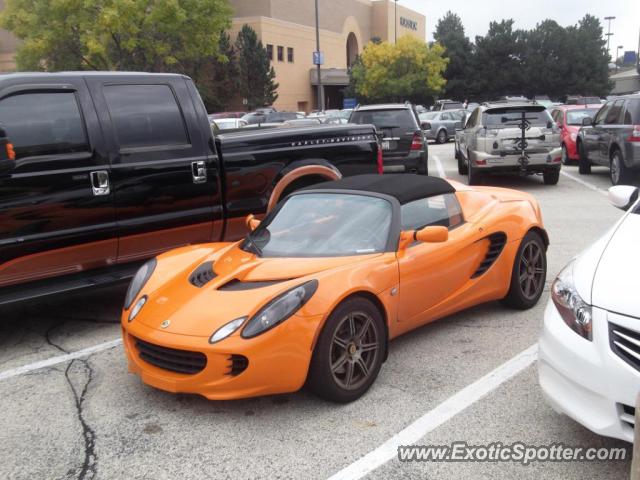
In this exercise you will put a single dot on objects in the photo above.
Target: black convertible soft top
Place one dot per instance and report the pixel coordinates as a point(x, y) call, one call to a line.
point(405, 187)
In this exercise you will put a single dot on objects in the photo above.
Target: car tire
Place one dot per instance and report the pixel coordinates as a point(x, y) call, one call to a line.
point(462, 166)
point(473, 177)
point(551, 176)
point(619, 173)
point(338, 355)
point(528, 274)
point(584, 165)
point(442, 136)
point(565, 156)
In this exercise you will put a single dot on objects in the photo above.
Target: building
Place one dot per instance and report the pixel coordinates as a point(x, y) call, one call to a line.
point(627, 81)
point(8, 46)
point(287, 29)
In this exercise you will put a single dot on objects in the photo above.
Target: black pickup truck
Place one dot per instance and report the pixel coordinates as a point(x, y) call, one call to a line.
point(100, 171)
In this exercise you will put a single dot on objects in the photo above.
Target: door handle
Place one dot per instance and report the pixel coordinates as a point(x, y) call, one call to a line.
point(100, 182)
point(199, 172)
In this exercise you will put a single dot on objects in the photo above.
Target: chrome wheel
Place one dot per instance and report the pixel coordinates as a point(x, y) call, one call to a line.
point(354, 350)
point(531, 270)
point(615, 169)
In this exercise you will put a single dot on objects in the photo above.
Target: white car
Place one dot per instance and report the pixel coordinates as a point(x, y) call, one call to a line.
point(589, 350)
point(229, 123)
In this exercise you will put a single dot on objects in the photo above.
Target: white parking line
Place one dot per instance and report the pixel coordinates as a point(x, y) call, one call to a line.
point(439, 166)
point(14, 372)
point(439, 415)
point(586, 184)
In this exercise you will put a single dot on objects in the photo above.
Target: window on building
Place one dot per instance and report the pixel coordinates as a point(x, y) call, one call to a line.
point(270, 52)
point(290, 55)
point(280, 53)
point(44, 123)
point(145, 116)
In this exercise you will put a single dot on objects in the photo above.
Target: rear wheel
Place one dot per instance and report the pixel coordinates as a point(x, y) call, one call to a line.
point(528, 274)
point(473, 177)
point(349, 352)
point(462, 166)
point(442, 136)
point(584, 165)
point(551, 176)
point(620, 174)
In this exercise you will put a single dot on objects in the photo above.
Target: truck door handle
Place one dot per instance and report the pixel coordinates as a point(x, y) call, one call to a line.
point(199, 172)
point(100, 182)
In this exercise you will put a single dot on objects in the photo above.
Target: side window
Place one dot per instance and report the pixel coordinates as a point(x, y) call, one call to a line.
point(602, 113)
point(447, 116)
point(632, 112)
point(145, 116)
point(613, 116)
point(443, 210)
point(44, 123)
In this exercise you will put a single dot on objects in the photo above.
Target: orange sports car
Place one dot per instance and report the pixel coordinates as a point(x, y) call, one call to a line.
point(321, 285)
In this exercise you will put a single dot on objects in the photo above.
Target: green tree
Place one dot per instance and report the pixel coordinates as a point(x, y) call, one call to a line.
point(450, 34)
point(217, 76)
point(409, 70)
point(153, 35)
point(497, 62)
point(256, 76)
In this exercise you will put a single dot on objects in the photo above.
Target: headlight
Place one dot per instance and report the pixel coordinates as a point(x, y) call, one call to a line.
point(226, 330)
point(573, 136)
point(139, 281)
point(279, 309)
point(137, 307)
point(573, 310)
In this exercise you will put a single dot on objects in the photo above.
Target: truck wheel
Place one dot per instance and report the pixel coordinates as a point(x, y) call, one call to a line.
point(462, 167)
point(584, 165)
point(442, 136)
point(349, 352)
point(473, 177)
point(565, 155)
point(551, 176)
point(620, 174)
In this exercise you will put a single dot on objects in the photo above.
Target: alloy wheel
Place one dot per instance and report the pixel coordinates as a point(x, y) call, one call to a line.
point(531, 271)
point(354, 350)
point(615, 169)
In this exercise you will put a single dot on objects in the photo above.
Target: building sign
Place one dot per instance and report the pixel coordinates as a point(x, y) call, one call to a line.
point(318, 58)
point(411, 24)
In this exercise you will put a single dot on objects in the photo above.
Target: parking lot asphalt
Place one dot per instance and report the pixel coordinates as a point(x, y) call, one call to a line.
point(89, 418)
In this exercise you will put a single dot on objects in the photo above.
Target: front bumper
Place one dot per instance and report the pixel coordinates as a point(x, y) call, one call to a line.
point(586, 380)
point(537, 162)
point(278, 360)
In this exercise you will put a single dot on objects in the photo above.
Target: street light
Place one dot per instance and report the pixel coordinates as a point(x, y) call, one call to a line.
point(318, 62)
point(618, 48)
point(608, 34)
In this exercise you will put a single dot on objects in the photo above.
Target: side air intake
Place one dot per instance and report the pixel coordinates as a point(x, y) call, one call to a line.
point(202, 275)
point(497, 242)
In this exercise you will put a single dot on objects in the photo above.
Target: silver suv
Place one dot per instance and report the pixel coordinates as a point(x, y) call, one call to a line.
point(612, 139)
point(509, 138)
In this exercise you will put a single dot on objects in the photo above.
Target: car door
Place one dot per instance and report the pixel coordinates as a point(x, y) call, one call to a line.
point(165, 178)
point(447, 121)
point(430, 273)
point(593, 133)
point(56, 206)
point(612, 125)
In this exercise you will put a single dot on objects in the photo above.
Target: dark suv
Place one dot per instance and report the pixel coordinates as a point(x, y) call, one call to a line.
point(612, 139)
point(404, 145)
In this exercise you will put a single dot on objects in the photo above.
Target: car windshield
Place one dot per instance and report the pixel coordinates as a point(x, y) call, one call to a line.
point(504, 117)
point(323, 225)
point(574, 117)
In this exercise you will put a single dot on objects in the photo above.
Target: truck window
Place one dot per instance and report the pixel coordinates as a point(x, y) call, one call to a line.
point(632, 112)
point(145, 116)
point(47, 123)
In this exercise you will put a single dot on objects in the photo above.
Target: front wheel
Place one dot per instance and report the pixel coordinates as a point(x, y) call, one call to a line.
point(528, 274)
point(565, 155)
point(349, 352)
point(551, 176)
point(584, 165)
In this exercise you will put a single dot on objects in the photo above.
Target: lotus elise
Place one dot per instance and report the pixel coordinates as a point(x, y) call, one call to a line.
point(318, 288)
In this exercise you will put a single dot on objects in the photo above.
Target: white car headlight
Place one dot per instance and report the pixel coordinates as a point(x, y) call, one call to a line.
point(226, 330)
point(575, 312)
point(279, 309)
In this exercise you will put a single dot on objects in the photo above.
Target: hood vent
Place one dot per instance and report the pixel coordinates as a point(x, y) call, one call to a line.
point(497, 242)
point(202, 275)
point(236, 285)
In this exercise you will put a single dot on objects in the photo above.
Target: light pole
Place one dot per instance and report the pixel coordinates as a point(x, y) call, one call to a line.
point(608, 34)
point(618, 48)
point(320, 99)
point(395, 24)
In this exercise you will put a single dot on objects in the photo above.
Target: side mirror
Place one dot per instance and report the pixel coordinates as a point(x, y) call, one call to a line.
point(587, 121)
point(623, 196)
point(435, 234)
point(252, 222)
point(425, 126)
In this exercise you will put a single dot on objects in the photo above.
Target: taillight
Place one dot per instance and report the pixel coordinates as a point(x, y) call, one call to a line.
point(11, 153)
point(380, 161)
point(635, 134)
point(417, 143)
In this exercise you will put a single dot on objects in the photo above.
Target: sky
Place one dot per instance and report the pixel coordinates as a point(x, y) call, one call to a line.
point(526, 13)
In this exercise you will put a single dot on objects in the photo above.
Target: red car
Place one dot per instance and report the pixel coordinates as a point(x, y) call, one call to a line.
point(218, 116)
point(569, 120)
